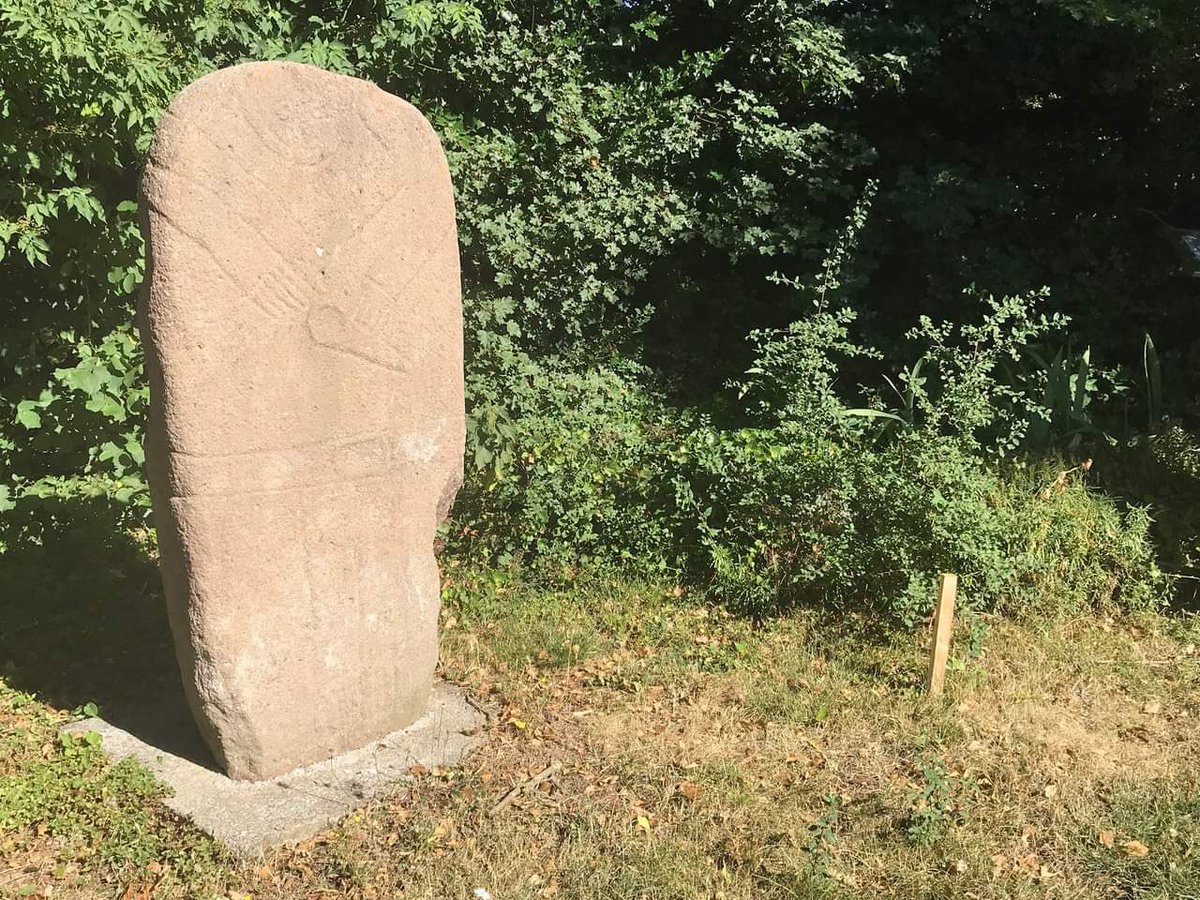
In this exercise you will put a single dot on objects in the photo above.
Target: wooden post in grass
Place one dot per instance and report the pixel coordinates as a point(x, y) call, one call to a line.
point(943, 625)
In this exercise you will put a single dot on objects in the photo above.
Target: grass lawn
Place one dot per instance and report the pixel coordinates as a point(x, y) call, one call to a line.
point(666, 749)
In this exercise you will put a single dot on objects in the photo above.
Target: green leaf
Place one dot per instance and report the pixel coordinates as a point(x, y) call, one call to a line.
point(870, 414)
point(134, 448)
point(27, 414)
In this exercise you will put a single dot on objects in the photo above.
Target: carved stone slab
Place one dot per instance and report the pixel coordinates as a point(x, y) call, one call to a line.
point(303, 328)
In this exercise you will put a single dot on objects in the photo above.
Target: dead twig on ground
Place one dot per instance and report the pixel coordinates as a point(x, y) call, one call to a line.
point(527, 785)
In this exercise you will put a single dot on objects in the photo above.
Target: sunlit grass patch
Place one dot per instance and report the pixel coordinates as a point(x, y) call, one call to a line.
point(656, 746)
point(1146, 842)
point(69, 814)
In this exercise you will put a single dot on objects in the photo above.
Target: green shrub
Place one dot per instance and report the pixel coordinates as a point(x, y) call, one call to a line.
point(873, 527)
point(637, 186)
point(1073, 547)
point(820, 505)
point(1161, 470)
point(586, 483)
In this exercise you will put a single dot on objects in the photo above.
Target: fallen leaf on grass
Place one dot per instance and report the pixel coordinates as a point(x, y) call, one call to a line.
point(842, 877)
point(1135, 849)
point(690, 790)
point(1152, 708)
point(1107, 838)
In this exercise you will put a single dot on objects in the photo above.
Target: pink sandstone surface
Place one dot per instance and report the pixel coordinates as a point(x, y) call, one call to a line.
point(303, 325)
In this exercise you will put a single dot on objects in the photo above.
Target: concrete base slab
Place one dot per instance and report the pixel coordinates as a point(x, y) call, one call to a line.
point(251, 817)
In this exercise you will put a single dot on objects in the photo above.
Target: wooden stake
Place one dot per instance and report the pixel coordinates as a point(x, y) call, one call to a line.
point(943, 626)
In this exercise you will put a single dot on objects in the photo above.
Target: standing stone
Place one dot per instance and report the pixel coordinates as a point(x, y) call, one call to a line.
point(303, 324)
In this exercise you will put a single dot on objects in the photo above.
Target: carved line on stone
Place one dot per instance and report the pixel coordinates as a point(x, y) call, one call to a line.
point(355, 335)
point(366, 121)
point(284, 148)
point(362, 457)
point(281, 266)
point(345, 482)
point(330, 328)
point(268, 189)
point(268, 301)
point(256, 227)
point(368, 220)
point(323, 443)
point(281, 282)
point(383, 312)
point(274, 310)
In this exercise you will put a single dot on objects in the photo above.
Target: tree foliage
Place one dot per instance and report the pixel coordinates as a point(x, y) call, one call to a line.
point(653, 198)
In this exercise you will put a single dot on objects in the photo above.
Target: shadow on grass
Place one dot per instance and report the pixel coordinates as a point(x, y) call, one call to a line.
point(82, 619)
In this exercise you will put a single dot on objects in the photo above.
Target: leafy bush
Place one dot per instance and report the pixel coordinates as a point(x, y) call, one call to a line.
point(587, 485)
point(822, 506)
point(1161, 470)
point(82, 84)
point(873, 527)
point(640, 187)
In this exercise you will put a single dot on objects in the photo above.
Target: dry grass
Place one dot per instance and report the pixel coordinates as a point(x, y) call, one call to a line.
point(686, 753)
